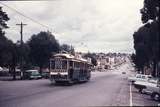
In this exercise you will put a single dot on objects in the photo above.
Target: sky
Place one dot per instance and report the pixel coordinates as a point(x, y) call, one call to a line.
point(88, 25)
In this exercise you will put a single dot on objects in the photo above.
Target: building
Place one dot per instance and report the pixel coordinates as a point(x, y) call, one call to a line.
point(109, 61)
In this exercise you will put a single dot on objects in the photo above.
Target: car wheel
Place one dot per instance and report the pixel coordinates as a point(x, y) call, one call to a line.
point(132, 82)
point(140, 90)
point(155, 96)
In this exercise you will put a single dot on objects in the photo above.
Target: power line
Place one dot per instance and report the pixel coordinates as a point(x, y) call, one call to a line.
point(25, 16)
point(31, 19)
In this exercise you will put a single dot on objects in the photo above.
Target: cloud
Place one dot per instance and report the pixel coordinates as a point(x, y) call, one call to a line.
point(100, 25)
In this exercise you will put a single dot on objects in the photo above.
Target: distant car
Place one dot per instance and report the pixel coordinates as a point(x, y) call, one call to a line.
point(1, 69)
point(32, 74)
point(45, 75)
point(123, 72)
point(139, 77)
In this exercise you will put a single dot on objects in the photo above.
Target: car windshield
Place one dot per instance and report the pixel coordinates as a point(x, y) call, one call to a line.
point(138, 76)
point(35, 73)
point(153, 80)
point(143, 77)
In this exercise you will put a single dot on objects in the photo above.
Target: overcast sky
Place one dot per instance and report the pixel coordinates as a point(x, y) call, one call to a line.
point(88, 25)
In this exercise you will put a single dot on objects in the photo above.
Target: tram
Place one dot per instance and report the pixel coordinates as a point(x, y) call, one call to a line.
point(67, 68)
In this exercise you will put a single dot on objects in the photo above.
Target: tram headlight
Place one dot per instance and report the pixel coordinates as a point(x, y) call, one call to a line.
point(58, 73)
point(63, 73)
point(53, 73)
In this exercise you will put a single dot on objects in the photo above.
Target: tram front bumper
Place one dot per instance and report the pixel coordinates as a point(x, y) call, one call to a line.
point(59, 73)
point(59, 76)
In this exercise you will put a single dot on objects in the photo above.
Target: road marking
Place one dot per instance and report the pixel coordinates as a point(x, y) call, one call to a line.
point(130, 100)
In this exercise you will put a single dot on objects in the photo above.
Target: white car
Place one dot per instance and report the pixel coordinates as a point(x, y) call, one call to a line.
point(139, 77)
point(146, 86)
point(1, 69)
point(152, 87)
point(155, 92)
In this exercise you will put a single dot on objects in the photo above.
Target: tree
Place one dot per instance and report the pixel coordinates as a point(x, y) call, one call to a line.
point(42, 45)
point(92, 56)
point(23, 52)
point(4, 42)
point(14, 60)
point(144, 46)
point(94, 61)
point(150, 10)
point(8, 50)
point(3, 19)
point(146, 39)
point(67, 48)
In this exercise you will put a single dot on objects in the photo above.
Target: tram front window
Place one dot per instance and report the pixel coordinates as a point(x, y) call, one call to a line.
point(58, 64)
point(71, 63)
point(64, 64)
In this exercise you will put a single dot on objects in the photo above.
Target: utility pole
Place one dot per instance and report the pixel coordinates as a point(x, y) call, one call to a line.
point(21, 45)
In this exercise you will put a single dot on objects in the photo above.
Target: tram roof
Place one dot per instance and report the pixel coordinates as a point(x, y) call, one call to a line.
point(64, 55)
point(73, 58)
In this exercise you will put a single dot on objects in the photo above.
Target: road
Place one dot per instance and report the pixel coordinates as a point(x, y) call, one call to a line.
point(109, 88)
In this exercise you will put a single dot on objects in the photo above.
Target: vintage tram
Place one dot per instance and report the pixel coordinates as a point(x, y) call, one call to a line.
point(68, 68)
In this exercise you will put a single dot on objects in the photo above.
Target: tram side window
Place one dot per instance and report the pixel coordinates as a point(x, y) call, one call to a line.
point(64, 64)
point(81, 65)
point(76, 65)
point(53, 64)
point(70, 63)
point(85, 66)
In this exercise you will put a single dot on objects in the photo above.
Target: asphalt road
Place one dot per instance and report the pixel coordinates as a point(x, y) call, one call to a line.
point(109, 88)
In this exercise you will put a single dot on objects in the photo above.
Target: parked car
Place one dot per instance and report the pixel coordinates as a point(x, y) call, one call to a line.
point(1, 69)
point(143, 85)
point(155, 93)
point(151, 87)
point(32, 74)
point(139, 77)
point(123, 72)
point(45, 75)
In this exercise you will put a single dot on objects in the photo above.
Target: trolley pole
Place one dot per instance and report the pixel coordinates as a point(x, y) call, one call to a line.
point(21, 46)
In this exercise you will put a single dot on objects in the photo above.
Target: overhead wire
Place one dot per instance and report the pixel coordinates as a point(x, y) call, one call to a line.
point(33, 20)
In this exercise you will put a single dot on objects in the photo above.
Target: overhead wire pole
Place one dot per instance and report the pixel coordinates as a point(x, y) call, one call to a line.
point(21, 45)
point(27, 17)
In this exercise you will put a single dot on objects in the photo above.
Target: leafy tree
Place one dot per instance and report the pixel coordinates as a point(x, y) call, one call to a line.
point(150, 10)
point(4, 42)
point(67, 48)
point(94, 61)
point(42, 45)
point(92, 56)
point(8, 51)
point(23, 52)
point(5, 51)
point(146, 39)
point(14, 60)
point(145, 46)
point(3, 19)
